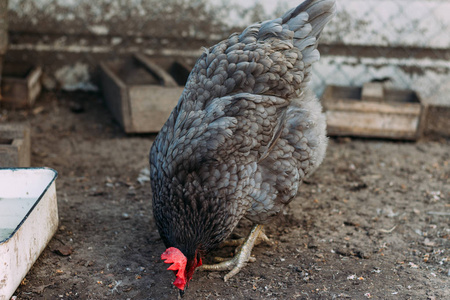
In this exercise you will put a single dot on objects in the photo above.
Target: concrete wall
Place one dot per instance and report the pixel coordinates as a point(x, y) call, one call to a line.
point(3, 32)
point(405, 40)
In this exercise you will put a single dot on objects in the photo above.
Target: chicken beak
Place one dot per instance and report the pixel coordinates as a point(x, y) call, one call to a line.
point(181, 293)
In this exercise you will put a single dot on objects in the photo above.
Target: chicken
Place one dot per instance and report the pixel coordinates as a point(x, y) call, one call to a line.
point(244, 134)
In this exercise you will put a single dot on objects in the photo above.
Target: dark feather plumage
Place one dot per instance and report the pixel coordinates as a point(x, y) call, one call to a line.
point(245, 133)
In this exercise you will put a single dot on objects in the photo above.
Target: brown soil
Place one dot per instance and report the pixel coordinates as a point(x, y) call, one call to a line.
point(372, 222)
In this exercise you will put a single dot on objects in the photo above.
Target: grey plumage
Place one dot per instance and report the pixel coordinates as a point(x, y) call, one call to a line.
point(245, 133)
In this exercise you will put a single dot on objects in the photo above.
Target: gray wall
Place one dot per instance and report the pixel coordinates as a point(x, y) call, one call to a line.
point(405, 40)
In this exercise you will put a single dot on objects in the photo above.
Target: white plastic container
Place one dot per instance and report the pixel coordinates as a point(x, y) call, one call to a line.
point(28, 220)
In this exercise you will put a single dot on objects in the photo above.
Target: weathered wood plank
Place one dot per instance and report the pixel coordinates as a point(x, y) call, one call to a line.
point(116, 96)
point(368, 107)
point(159, 72)
point(372, 91)
point(14, 145)
point(151, 106)
point(21, 90)
point(398, 114)
point(437, 120)
point(140, 105)
point(372, 124)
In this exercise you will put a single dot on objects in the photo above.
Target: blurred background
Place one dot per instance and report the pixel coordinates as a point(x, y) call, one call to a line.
point(404, 41)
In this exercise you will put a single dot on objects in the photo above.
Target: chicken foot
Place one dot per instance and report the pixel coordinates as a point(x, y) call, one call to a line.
point(242, 257)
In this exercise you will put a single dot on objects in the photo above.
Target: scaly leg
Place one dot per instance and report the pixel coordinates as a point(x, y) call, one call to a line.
point(241, 258)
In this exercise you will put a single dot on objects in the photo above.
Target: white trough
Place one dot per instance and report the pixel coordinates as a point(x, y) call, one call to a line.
point(28, 220)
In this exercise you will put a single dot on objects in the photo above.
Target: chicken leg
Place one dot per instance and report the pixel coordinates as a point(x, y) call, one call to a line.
point(241, 258)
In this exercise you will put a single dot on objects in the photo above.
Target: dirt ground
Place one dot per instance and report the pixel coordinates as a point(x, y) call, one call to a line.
point(372, 222)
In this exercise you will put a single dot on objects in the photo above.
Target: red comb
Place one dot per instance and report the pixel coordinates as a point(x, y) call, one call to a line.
point(175, 257)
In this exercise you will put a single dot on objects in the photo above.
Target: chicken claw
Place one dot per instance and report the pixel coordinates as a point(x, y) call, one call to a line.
point(241, 258)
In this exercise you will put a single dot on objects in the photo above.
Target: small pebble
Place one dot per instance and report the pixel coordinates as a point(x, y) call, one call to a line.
point(64, 250)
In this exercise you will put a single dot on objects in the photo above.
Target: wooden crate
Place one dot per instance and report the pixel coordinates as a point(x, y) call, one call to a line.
point(1, 70)
point(373, 111)
point(438, 120)
point(14, 145)
point(3, 33)
point(140, 93)
point(20, 85)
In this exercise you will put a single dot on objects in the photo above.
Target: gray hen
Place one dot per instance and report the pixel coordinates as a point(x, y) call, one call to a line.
point(245, 133)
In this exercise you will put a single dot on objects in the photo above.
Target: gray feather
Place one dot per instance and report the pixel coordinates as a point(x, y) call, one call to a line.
point(245, 132)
